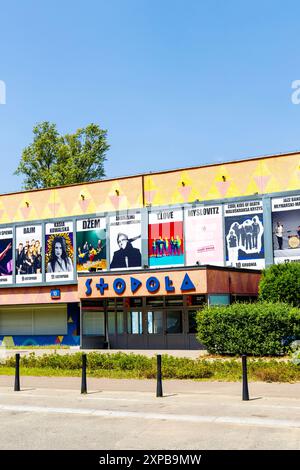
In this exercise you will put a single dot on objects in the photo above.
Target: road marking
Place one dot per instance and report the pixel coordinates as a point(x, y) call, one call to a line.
point(248, 421)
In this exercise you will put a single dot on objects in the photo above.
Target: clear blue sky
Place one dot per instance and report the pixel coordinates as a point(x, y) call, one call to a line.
point(176, 83)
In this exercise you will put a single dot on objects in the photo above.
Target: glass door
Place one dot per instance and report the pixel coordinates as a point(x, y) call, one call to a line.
point(155, 329)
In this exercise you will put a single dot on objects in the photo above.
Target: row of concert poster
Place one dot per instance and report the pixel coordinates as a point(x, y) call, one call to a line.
point(199, 235)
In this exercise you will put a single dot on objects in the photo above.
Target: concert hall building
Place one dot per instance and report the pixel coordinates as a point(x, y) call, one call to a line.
point(127, 262)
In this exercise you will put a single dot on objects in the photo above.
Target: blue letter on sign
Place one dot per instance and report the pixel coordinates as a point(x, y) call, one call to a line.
point(187, 284)
point(152, 284)
point(119, 285)
point(169, 284)
point(88, 287)
point(135, 284)
point(102, 285)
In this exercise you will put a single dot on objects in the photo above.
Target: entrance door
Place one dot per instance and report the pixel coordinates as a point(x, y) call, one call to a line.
point(174, 330)
point(155, 329)
point(136, 337)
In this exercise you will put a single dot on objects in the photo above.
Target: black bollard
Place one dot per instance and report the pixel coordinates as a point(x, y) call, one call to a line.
point(245, 378)
point(159, 392)
point(83, 375)
point(17, 374)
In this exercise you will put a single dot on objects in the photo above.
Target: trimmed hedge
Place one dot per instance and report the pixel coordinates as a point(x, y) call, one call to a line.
point(261, 328)
point(281, 283)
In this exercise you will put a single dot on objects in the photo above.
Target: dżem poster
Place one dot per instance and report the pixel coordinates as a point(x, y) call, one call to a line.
point(91, 244)
point(244, 234)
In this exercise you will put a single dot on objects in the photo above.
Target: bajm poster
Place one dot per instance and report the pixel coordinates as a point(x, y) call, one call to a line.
point(28, 260)
point(165, 238)
point(59, 251)
point(286, 229)
point(125, 241)
point(244, 234)
point(6, 255)
point(91, 244)
point(204, 235)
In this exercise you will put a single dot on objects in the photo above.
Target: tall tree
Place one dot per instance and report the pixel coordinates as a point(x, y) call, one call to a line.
point(54, 160)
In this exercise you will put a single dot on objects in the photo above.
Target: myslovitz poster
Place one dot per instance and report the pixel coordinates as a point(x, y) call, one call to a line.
point(59, 251)
point(244, 234)
point(6, 255)
point(29, 249)
point(91, 244)
point(204, 235)
point(286, 229)
point(125, 234)
point(165, 238)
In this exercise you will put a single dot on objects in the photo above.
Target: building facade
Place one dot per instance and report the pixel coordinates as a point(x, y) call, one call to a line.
point(126, 263)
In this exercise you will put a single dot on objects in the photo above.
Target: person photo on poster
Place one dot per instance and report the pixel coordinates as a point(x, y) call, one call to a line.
point(127, 256)
point(59, 260)
point(29, 257)
point(245, 237)
point(6, 252)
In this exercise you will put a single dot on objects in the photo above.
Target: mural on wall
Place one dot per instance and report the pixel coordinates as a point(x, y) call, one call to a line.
point(59, 251)
point(165, 238)
point(28, 258)
point(6, 255)
point(125, 234)
point(286, 229)
point(204, 235)
point(244, 234)
point(91, 244)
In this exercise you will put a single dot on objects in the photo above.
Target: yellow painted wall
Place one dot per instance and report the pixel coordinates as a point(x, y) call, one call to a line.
point(263, 175)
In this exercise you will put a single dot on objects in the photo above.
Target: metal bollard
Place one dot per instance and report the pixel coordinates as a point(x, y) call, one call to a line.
point(17, 374)
point(83, 375)
point(245, 378)
point(159, 391)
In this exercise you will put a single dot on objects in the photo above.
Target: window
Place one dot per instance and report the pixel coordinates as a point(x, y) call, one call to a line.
point(111, 322)
point(93, 323)
point(134, 323)
point(136, 302)
point(174, 321)
point(155, 323)
point(155, 301)
point(174, 300)
point(192, 321)
point(120, 322)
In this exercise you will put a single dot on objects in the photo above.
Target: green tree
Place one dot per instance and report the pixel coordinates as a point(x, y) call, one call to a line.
point(281, 283)
point(55, 160)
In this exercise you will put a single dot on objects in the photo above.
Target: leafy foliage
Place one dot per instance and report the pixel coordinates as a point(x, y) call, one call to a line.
point(281, 283)
point(54, 160)
point(261, 328)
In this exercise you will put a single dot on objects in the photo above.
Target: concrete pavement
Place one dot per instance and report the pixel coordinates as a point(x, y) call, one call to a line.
point(50, 413)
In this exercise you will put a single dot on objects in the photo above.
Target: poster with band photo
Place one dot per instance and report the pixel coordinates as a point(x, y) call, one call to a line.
point(59, 251)
point(244, 234)
point(286, 229)
point(91, 244)
point(125, 241)
point(165, 238)
point(6, 255)
point(204, 235)
point(28, 261)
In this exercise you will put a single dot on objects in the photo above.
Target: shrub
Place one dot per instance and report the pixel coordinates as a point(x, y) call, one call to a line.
point(281, 283)
point(262, 328)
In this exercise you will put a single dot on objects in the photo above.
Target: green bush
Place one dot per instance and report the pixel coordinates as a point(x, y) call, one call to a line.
point(281, 283)
point(261, 328)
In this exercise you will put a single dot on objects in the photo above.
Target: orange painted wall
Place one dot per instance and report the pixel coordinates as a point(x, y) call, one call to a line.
point(244, 178)
point(37, 295)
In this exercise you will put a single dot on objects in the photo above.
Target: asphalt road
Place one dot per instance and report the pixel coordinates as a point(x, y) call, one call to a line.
point(118, 414)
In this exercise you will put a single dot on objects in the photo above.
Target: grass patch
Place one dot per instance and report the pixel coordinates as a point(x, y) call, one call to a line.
point(127, 366)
